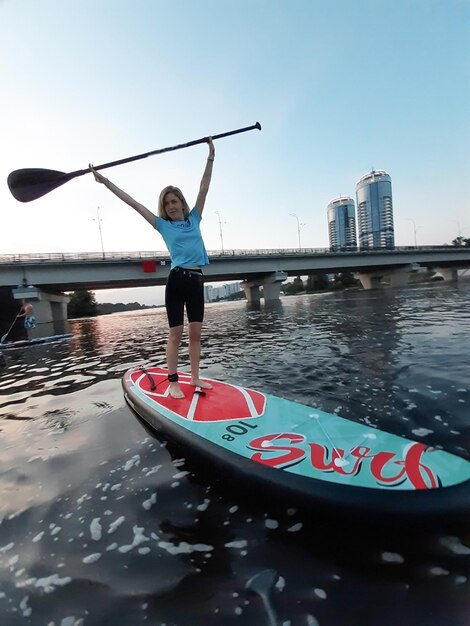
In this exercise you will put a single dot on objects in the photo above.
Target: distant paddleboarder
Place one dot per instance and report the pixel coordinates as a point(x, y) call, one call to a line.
point(180, 228)
point(27, 313)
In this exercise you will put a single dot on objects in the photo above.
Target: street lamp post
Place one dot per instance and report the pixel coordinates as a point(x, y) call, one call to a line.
point(458, 226)
point(220, 231)
point(414, 229)
point(98, 220)
point(298, 228)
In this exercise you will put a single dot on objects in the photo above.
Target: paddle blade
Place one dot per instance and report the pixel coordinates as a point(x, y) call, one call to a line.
point(30, 184)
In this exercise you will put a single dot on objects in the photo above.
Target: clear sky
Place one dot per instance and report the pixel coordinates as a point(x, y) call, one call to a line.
point(339, 87)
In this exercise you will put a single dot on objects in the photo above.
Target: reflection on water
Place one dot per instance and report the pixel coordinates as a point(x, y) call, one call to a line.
point(102, 522)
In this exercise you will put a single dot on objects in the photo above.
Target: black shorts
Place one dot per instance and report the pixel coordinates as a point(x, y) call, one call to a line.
point(184, 287)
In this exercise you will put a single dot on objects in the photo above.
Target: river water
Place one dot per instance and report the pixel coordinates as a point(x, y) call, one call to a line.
point(102, 522)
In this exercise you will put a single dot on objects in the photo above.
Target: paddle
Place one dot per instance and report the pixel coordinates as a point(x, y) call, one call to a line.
point(8, 331)
point(30, 184)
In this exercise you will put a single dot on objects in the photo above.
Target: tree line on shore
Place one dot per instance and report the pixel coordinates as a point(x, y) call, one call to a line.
point(83, 304)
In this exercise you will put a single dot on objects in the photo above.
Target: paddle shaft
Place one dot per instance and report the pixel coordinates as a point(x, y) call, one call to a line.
point(144, 155)
point(32, 183)
point(8, 331)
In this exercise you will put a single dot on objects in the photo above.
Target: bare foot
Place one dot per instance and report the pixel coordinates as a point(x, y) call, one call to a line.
point(175, 391)
point(197, 382)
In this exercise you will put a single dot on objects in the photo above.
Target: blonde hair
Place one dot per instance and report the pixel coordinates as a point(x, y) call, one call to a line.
point(161, 200)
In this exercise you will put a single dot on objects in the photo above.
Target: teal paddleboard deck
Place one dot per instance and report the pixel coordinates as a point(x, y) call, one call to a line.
point(312, 457)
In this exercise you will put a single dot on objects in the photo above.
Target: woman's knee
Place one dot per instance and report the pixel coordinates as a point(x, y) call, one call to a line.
point(174, 335)
point(194, 331)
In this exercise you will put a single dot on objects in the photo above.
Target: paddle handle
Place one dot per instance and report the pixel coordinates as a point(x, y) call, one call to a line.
point(144, 155)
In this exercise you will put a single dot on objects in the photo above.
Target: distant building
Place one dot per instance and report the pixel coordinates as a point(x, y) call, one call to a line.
point(375, 210)
point(342, 223)
point(212, 294)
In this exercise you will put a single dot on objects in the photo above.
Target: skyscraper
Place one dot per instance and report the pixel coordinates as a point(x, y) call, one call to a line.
point(342, 223)
point(375, 210)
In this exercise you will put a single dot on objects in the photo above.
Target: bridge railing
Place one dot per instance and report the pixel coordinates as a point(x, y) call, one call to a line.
point(74, 257)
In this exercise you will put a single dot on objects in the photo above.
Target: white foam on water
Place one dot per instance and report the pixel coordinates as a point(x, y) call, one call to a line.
point(91, 558)
point(204, 505)
point(422, 432)
point(95, 529)
point(112, 546)
point(70, 621)
point(280, 583)
point(438, 571)
point(455, 545)
point(134, 461)
point(295, 528)
point(144, 550)
point(116, 487)
point(26, 610)
point(147, 504)
point(240, 543)
point(233, 509)
point(392, 557)
point(180, 475)
point(184, 547)
point(139, 538)
point(114, 525)
point(38, 537)
point(154, 470)
point(271, 523)
point(320, 593)
point(50, 582)
point(14, 559)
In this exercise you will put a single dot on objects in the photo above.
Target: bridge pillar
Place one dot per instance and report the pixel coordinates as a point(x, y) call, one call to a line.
point(368, 281)
point(271, 287)
point(252, 293)
point(50, 311)
point(395, 278)
point(447, 273)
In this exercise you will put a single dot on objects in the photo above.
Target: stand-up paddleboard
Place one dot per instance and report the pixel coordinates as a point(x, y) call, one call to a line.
point(312, 457)
point(25, 343)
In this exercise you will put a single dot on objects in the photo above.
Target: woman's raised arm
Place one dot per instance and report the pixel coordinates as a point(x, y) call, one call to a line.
point(206, 178)
point(122, 195)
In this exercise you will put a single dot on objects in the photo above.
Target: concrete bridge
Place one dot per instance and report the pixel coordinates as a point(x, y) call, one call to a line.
point(53, 274)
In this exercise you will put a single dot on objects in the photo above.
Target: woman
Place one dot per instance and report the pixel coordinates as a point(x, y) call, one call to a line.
point(180, 229)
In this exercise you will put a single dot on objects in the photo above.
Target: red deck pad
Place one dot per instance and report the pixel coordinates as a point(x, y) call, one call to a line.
point(222, 402)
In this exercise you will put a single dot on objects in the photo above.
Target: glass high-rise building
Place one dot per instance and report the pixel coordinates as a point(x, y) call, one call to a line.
point(375, 210)
point(342, 223)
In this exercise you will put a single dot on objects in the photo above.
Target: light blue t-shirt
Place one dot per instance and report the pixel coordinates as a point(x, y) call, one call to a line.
point(184, 240)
